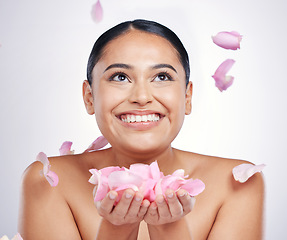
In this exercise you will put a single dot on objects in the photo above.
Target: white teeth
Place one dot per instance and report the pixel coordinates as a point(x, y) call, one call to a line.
point(144, 118)
point(133, 118)
point(140, 118)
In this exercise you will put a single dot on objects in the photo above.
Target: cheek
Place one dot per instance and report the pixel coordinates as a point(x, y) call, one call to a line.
point(174, 100)
point(106, 99)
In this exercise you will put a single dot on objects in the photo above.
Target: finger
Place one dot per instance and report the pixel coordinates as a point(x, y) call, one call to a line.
point(186, 200)
point(105, 207)
point(152, 210)
point(163, 208)
point(175, 207)
point(143, 209)
point(135, 206)
point(123, 205)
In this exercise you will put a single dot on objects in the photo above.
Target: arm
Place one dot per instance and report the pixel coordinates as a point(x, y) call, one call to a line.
point(241, 215)
point(166, 218)
point(44, 213)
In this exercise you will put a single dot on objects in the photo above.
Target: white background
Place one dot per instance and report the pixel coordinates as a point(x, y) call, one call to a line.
point(43, 56)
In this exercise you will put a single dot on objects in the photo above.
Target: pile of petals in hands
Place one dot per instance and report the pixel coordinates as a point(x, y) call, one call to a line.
point(143, 178)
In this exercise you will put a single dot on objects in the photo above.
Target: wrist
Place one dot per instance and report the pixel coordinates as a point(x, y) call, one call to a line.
point(108, 231)
point(174, 230)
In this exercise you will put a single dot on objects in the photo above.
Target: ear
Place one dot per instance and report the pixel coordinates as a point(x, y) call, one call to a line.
point(188, 95)
point(88, 97)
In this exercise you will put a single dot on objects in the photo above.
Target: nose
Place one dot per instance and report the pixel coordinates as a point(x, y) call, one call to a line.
point(141, 93)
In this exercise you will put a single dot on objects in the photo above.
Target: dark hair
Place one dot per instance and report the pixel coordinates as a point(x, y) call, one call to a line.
point(142, 25)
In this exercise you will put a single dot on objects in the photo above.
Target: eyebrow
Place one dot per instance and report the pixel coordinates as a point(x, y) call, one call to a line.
point(118, 65)
point(126, 66)
point(163, 65)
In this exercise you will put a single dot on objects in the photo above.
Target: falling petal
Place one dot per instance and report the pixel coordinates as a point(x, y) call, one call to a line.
point(65, 149)
point(222, 82)
point(243, 172)
point(99, 143)
point(4, 238)
point(17, 237)
point(51, 177)
point(228, 40)
point(97, 12)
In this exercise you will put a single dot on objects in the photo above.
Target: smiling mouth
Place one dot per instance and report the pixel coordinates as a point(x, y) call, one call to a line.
point(133, 118)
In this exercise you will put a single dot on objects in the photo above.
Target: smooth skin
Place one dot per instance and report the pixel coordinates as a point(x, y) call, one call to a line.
point(140, 73)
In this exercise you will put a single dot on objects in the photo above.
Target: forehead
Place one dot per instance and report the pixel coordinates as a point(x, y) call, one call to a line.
point(137, 45)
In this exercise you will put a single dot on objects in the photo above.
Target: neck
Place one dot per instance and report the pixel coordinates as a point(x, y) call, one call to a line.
point(166, 158)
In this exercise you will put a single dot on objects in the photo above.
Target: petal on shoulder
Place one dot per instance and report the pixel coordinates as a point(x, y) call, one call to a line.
point(243, 172)
point(4, 238)
point(17, 237)
point(51, 177)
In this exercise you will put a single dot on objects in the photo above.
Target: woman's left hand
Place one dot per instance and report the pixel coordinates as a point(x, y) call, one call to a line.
point(176, 206)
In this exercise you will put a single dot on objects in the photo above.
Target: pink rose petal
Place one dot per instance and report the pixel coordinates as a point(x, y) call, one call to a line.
point(243, 172)
point(222, 82)
point(194, 187)
point(51, 177)
point(97, 12)
point(228, 40)
point(99, 143)
point(144, 178)
point(100, 179)
point(17, 237)
point(65, 149)
point(118, 179)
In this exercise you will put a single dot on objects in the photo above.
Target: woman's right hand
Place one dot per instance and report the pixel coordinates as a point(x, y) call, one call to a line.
point(130, 209)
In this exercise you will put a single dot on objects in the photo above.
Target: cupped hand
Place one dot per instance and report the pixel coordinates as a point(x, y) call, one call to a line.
point(130, 209)
point(174, 207)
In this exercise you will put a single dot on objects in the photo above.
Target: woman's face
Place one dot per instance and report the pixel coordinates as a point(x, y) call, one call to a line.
point(139, 94)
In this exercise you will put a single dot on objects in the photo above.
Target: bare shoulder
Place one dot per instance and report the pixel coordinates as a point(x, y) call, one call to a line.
point(211, 168)
point(42, 205)
point(239, 205)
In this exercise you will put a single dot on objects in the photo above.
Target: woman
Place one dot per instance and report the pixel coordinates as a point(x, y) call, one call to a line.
point(138, 88)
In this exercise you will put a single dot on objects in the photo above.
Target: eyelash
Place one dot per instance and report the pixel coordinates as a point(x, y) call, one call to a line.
point(117, 74)
point(168, 76)
point(111, 78)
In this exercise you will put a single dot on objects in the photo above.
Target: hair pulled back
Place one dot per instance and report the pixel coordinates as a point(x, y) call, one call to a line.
point(142, 25)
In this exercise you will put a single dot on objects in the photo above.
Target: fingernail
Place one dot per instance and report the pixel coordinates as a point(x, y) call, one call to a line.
point(112, 196)
point(138, 198)
point(128, 195)
point(182, 193)
point(170, 195)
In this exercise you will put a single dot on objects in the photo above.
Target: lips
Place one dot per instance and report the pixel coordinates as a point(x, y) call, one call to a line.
point(140, 120)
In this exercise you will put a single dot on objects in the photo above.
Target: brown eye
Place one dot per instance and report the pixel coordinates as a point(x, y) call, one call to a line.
point(119, 77)
point(163, 77)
